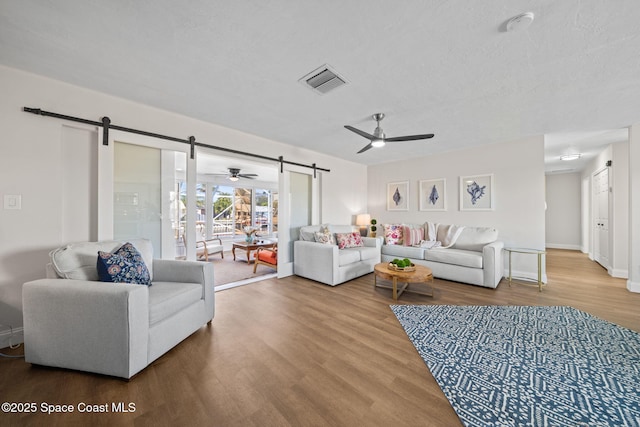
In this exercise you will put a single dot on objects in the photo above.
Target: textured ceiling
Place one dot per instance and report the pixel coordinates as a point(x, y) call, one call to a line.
point(443, 67)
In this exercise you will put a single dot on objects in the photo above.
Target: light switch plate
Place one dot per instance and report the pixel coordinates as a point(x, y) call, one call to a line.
point(12, 201)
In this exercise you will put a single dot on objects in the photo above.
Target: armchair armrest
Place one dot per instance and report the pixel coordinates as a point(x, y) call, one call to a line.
point(316, 261)
point(205, 242)
point(85, 325)
point(169, 270)
point(374, 242)
point(492, 263)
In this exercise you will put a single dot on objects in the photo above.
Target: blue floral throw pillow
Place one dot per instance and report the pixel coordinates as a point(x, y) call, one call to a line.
point(123, 266)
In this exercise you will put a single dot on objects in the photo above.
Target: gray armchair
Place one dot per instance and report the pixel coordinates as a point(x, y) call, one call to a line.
point(71, 321)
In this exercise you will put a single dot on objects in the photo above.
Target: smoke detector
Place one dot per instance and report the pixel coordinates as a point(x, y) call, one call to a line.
point(520, 22)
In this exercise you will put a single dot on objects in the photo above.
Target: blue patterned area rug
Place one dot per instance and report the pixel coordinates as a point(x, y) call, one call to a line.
point(528, 366)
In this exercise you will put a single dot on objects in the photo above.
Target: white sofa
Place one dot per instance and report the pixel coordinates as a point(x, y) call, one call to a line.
point(72, 321)
point(326, 263)
point(475, 258)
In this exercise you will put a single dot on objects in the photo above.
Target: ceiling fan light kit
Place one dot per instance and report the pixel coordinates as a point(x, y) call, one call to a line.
point(570, 157)
point(234, 175)
point(379, 139)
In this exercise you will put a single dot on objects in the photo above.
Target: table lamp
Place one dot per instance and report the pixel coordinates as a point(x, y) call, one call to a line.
point(363, 221)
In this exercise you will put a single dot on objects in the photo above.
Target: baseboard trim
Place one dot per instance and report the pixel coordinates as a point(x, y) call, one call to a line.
point(8, 338)
point(633, 286)
point(285, 269)
point(619, 273)
point(562, 246)
point(245, 282)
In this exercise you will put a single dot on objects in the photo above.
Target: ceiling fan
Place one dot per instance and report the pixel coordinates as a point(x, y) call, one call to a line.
point(234, 174)
point(378, 139)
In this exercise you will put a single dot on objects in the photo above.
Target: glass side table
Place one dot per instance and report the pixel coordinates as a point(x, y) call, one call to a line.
point(538, 252)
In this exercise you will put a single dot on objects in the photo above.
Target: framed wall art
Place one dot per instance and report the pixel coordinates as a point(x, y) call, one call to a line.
point(398, 196)
point(432, 195)
point(477, 193)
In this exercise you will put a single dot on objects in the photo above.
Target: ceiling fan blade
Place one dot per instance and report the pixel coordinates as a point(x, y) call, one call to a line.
point(365, 148)
point(361, 133)
point(248, 175)
point(410, 137)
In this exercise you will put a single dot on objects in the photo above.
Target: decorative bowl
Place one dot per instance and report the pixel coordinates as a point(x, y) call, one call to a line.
point(394, 267)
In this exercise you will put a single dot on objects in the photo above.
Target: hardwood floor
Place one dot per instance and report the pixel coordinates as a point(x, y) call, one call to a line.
point(295, 352)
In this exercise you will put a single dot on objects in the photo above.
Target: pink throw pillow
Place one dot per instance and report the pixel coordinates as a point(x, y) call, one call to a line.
point(393, 234)
point(349, 240)
point(412, 236)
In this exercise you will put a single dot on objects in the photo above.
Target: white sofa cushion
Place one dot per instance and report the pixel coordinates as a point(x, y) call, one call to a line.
point(78, 260)
point(361, 253)
point(366, 252)
point(459, 257)
point(168, 298)
point(475, 238)
point(399, 251)
point(307, 233)
point(348, 256)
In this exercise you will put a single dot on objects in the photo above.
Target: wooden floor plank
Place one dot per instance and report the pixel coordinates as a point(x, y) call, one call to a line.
point(296, 352)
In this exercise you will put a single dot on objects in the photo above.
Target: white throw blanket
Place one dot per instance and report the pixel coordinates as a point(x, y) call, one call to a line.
point(450, 235)
point(432, 232)
point(431, 236)
point(430, 244)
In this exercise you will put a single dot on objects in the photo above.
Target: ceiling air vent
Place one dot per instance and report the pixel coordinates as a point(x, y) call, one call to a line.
point(323, 80)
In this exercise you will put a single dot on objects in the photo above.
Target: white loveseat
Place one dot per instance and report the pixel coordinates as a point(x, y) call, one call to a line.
point(474, 258)
point(326, 263)
point(73, 321)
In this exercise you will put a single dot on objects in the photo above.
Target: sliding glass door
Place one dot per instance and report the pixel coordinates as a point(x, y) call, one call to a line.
point(266, 212)
point(232, 208)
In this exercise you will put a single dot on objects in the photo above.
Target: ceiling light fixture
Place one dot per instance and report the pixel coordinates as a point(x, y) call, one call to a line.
point(520, 22)
point(233, 178)
point(569, 157)
point(377, 143)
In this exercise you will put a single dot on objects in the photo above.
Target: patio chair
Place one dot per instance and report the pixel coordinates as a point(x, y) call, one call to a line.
point(206, 247)
point(268, 257)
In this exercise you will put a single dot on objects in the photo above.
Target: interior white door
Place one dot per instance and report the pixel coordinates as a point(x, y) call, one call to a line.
point(601, 217)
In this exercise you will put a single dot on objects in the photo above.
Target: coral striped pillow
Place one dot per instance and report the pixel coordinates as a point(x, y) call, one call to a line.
point(412, 236)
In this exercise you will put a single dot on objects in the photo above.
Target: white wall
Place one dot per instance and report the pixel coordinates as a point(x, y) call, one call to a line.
point(618, 153)
point(518, 169)
point(633, 284)
point(620, 207)
point(52, 165)
point(563, 214)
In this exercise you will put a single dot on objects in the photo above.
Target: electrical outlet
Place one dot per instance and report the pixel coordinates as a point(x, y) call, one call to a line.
point(13, 201)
